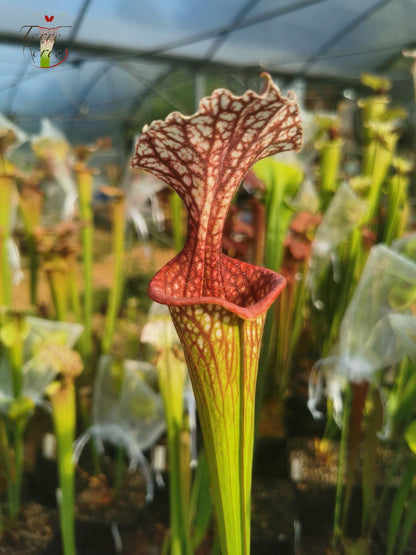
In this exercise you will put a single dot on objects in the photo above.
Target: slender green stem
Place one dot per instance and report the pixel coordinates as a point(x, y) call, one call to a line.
point(74, 294)
point(34, 269)
point(118, 210)
point(290, 306)
point(64, 417)
point(85, 184)
point(17, 431)
point(58, 284)
point(300, 294)
point(397, 197)
point(377, 160)
point(4, 460)
point(200, 506)
point(179, 521)
point(87, 249)
point(392, 472)
point(5, 276)
point(7, 191)
point(341, 510)
point(171, 383)
point(263, 370)
point(331, 152)
point(15, 477)
point(282, 340)
point(16, 363)
point(369, 459)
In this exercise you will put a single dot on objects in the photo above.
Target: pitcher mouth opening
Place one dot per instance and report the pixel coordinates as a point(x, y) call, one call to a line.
point(248, 290)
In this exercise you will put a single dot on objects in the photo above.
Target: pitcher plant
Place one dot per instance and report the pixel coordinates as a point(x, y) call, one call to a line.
point(218, 304)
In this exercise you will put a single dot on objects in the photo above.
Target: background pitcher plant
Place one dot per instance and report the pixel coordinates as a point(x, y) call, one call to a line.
point(218, 304)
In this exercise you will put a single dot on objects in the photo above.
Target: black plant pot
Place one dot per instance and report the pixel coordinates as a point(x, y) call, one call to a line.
point(270, 458)
point(96, 537)
point(43, 481)
point(92, 538)
point(267, 546)
point(138, 535)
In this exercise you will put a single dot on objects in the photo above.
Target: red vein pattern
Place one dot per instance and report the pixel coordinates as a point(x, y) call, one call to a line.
point(221, 351)
point(218, 304)
point(204, 158)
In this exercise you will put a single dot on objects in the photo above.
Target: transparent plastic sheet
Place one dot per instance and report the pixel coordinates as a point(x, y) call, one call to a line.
point(406, 246)
point(404, 326)
point(126, 412)
point(191, 407)
point(139, 223)
point(14, 262)
point(52, 146)
point(44, 331)
point(324, 381)
point(378, 328)
point(387, 286)
point(20, 136)
point(6, 386)
point(38, 374)
point(37, 377)
point(13, 254)
point(307, 198)
point(159, 330)
point(13, 209)
point(142, 203)
point(342, 216)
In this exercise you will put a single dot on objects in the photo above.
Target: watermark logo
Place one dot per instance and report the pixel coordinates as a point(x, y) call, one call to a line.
point(39, 46)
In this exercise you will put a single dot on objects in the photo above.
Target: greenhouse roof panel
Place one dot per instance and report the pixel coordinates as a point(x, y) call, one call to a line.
point(110, 54)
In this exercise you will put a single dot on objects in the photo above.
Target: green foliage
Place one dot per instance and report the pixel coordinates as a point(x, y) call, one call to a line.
point(200, 510)
point(282, 182)
point(410, 436)
point(375, 82)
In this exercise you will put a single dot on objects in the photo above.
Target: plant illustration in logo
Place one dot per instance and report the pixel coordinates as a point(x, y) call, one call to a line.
point(39, 45)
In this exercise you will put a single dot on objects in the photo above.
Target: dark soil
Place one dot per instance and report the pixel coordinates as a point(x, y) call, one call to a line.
point(32, 532)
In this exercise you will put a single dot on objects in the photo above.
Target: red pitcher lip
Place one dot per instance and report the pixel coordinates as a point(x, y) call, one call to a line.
point(262, 287)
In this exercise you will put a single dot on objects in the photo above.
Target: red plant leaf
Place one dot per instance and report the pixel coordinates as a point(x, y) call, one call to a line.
point(204, 157)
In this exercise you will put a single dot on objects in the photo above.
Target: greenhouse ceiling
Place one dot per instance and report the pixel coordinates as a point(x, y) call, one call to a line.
point(110, 55)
